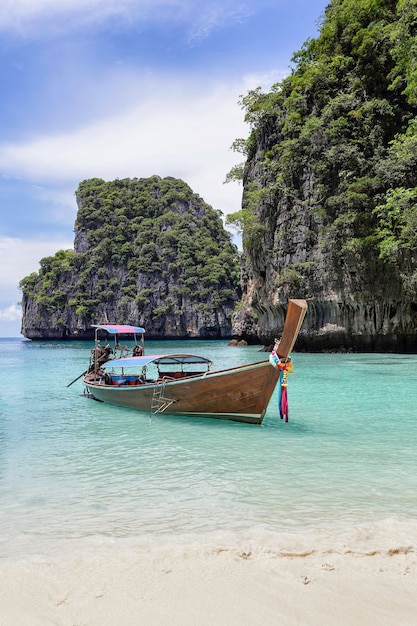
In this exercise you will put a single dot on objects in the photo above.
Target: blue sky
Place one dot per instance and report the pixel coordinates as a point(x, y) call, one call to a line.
point(124, 88)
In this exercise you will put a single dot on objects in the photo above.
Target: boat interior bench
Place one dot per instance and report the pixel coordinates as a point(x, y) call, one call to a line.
point(176, 375)
point(119, 380)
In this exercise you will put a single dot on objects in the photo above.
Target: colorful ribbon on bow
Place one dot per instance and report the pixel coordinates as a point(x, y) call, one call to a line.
point(283, 396)
point(285, 368)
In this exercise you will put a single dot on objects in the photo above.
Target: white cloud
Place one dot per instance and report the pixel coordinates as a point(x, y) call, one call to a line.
point(12, 313)
point(175, 127)
point(181, 129)
point(19, 258)
point(60, 203)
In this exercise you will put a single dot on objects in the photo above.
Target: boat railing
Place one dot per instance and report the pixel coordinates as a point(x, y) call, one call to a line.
point(104, 354)
point(121, 351)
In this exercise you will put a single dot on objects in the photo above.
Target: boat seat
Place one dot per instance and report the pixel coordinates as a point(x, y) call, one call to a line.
point(119, 381)
point(171, 375)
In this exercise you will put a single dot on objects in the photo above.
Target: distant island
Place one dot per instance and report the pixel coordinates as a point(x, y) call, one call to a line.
point(147, 251)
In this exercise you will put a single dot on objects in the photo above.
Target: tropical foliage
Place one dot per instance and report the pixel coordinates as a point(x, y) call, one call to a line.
point(338, 137)
point(146, 245)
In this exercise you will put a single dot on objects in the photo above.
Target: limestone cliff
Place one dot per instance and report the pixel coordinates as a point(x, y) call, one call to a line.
point(147, 252)
point(329, 209)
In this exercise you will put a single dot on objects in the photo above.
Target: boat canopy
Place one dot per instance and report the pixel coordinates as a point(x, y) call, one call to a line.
point(158, 359)
point(115, 329)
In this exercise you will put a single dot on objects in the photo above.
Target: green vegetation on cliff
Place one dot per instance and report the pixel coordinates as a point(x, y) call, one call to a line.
point(145, 248)
point(338, 139)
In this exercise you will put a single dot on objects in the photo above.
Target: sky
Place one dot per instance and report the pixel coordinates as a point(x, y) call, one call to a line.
point(125, 88)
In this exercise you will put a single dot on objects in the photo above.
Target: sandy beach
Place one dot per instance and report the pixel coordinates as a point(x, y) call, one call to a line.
point(112, 520)
point(213, 587)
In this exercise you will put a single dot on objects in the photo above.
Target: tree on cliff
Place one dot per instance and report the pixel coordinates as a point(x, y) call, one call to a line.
point(330, 176)
point(147, 251)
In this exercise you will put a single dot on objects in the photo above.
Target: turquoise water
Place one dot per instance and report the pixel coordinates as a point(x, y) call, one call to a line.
point(74, 472)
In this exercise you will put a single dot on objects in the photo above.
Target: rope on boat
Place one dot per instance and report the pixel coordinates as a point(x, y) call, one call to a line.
point(285, 368)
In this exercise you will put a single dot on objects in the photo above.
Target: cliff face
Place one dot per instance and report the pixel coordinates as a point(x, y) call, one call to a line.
point(329, 208)
point(147, 252)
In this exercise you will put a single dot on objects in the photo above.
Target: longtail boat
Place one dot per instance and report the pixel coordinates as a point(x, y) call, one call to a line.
point(185, 384)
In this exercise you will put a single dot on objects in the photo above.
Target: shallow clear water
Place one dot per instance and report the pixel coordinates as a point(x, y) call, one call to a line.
point(74, 470)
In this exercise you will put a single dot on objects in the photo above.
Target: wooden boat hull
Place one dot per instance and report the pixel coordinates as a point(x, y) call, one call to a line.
point(241, 394)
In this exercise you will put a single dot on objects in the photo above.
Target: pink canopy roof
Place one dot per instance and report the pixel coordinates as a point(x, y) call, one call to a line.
point(116, 329)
